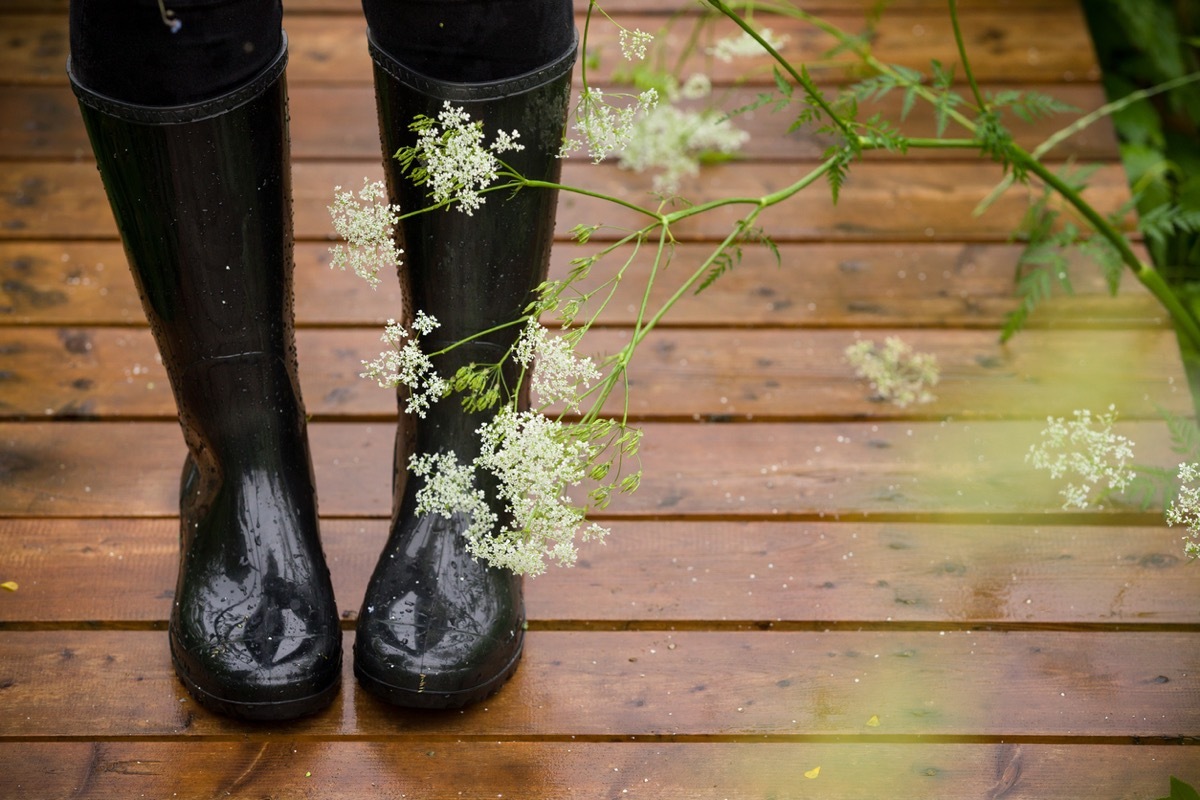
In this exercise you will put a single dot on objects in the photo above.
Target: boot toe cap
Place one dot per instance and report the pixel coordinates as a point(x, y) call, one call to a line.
point(435, 667)
point(277, 678)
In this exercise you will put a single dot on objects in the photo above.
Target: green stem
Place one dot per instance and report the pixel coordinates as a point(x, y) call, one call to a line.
point(851, 44)
point(643, 327)
point(640, 329)
point(763, 202)
point(1111, 108)
point(1061, 135)
point(1145, 273)
point(583, 42)
point(562, 187)
point(868, 143)
point(962, 54)
point(738, 229)
point(801, 78)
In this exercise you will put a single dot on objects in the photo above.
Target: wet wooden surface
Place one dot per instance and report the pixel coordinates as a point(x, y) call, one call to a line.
point(808, 578)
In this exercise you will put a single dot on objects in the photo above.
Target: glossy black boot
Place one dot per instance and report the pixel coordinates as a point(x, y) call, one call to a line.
point(202, 197)
point(439, 629)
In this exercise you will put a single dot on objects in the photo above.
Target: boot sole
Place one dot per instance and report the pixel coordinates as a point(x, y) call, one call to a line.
point(275, 711)
point(407, 698)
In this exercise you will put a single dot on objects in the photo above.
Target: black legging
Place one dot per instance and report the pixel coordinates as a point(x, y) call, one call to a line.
point(126, 51)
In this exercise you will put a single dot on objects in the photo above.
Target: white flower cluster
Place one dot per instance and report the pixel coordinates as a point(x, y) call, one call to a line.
point(696, 87)
point(450, 489)
point(368, 226)
point(744, 45)
point(674, 139)
point(455, 164)
point(634, 43)
point(895, 372)
point(605, 127)
point(558, 374)
point(535, 460)
point(1185, 509)
point(1095, 454)
point(405, 364)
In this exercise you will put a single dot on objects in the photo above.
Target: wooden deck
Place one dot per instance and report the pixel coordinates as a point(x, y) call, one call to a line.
point(806, 579)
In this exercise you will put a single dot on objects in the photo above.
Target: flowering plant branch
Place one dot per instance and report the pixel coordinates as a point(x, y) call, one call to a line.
point(583, 441)
point(987, 135)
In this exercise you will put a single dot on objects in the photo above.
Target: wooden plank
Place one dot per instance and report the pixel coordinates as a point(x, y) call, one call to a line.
point(738, 470)
point(882, 201)
point(736, 771)
point(1001, 47)
point(777, 375)
point(332, 49)
point(785, 575)
point(354, 7)
point(1120, 688)
point(80, 284)
point(339, 123)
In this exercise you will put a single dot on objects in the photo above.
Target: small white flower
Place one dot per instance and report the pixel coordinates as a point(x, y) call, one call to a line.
point(696, 87)
point(743, 45)
point(633, 43)
point(1095, 454)
point(558, 374)
point(605, 127)
point(535, 460)
point(425, 324)
point(1185, 509)
point(405, 364)
point(453, 161)
point(449, 489)
point(673, 140)
point(895, 372)
point(368, 226)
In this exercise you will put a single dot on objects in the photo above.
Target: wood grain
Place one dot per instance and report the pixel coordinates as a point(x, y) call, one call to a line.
point(697, 575)
point(731, 471)
point(667, 685)
point(738, 771)
point(354, 7)
point(800, 563)
point(882, 201)
point(782, 375)
point(332, 49)
point(339, 123)
point(840, 285)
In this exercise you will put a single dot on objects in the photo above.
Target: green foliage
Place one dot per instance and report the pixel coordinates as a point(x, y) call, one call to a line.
point(1029, 106)
point(1181, 791)
point(876, 87)
point(997, 142)
point(481, 386)
point(1158, 486)
point(1168, 221)
point(1142, 43)
point(1049, 239)
point(946, 99)
point(725, 259)
point(839, 168)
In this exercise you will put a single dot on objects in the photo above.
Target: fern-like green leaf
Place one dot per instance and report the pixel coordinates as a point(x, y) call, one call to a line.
point(1185, 435)
point(838, 170)
point(782, 84)
point(1165, 221)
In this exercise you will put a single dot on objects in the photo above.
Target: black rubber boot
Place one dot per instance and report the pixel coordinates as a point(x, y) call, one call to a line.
point(439, 629)
point(202, 197)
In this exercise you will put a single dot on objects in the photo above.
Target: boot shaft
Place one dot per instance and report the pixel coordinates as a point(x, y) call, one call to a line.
point(201, 195)
point(475, 272)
